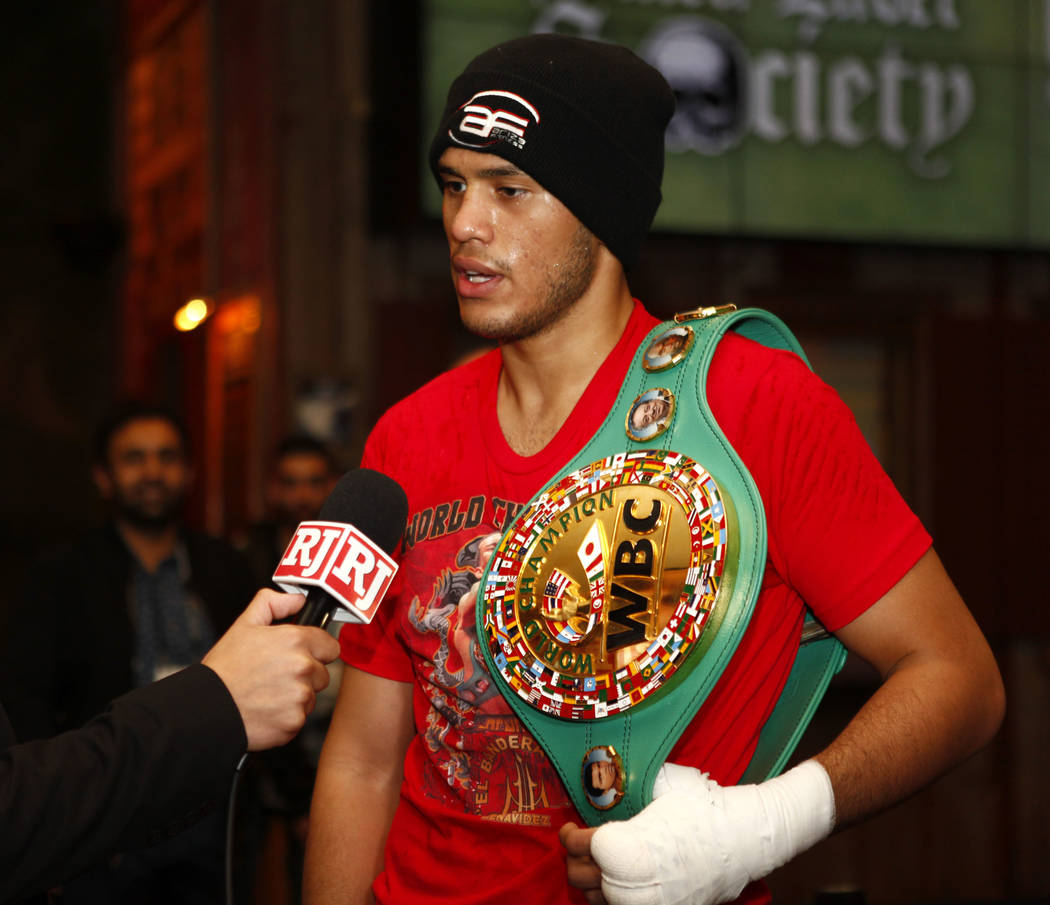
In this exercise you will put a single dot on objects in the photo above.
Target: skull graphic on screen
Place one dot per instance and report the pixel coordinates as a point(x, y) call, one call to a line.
point(705, 65)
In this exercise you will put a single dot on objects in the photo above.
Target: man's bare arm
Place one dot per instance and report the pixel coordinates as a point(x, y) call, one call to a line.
point(940, 701)
point(356, 790)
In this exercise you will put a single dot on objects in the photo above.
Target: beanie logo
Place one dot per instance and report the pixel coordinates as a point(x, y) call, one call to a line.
point(505, 117)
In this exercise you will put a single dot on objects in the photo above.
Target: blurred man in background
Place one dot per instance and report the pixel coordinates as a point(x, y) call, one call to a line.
point(302, 475)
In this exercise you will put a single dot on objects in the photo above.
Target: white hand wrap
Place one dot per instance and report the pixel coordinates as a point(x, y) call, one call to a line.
point(698, 843)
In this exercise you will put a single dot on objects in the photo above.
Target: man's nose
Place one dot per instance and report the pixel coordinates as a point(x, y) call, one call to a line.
point(471, 219)
point(153, 466)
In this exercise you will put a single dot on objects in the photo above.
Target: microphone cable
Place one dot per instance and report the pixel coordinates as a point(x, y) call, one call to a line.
point(230, 820)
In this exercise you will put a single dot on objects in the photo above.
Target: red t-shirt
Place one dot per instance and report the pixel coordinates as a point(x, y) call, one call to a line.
point(481, 803)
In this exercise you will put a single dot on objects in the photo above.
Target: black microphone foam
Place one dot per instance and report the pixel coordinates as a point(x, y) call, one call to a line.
point(372, 502)
point(377, 506)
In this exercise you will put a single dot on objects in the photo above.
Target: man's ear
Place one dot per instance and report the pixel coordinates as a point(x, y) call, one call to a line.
point(103, 481)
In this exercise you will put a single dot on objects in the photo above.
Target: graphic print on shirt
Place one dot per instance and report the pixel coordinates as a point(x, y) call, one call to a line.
point(484, 760)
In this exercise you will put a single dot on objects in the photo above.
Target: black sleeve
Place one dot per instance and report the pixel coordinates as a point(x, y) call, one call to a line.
point(158, 759)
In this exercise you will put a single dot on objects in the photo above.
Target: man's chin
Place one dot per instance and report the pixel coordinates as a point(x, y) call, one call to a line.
point(476, 320)
point(150, 520)
point(485, 325)
point(289, 521)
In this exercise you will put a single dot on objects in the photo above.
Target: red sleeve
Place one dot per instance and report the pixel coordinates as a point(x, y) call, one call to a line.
point(376, 648)
point(839, 531)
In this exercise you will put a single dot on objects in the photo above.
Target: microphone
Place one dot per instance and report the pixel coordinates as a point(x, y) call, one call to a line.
point(344, 556)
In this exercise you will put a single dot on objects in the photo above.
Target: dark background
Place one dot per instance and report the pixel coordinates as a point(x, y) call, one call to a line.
point(266, 155)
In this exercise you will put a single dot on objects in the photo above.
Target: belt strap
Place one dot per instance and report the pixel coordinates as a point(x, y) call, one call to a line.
point(820, 655)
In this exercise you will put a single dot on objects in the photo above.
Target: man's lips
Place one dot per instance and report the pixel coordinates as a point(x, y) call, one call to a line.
point(150, 490)
point(473, 279)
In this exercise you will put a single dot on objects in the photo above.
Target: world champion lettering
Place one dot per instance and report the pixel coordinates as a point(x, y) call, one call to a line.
point(342, 561)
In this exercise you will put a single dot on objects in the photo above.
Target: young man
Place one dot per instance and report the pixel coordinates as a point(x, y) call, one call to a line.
point(550, 155)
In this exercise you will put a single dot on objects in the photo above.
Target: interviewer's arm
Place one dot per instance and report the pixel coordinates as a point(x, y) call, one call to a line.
point(161, 756)
point(148, 765)
point(356, 790)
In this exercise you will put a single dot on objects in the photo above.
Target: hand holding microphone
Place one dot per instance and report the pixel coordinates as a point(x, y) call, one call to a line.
point(273, 672)
point(343, 561)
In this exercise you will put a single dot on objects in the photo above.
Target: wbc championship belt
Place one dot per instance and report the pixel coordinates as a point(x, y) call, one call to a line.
point(615, 599)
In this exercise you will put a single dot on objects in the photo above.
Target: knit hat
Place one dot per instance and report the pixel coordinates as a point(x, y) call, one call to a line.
point(585, 119)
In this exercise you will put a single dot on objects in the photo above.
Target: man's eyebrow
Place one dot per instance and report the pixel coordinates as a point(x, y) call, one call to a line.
point(487, 173)
point(508, 170)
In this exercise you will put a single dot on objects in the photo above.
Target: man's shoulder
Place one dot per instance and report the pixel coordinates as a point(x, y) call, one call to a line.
point(751, 356)
point(221, 574)
point(438, 423)
point(751, 386)
point(203, 546)
point(96, 563)
point(443, 396)
point(93, 546)
point(741, 367)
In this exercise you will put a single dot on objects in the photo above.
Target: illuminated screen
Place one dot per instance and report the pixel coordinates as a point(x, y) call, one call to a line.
point(896, 120)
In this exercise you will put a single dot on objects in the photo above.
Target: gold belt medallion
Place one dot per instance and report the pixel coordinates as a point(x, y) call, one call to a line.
point(603, 585)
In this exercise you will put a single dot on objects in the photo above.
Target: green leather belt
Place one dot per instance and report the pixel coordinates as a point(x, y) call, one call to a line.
point(614, 602)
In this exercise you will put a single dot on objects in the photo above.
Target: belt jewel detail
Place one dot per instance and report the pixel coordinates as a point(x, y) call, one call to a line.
point(668, 348)
point(603, 585)
point(602, 777)
point(650, 414)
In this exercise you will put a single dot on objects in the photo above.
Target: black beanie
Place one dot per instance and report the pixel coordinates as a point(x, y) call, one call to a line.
point(585, 119)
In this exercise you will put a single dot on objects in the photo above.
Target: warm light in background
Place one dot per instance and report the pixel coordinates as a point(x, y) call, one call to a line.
point(192, 314)
point(239, 315)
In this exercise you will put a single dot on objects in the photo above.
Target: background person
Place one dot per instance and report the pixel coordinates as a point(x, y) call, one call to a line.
point(302, 474)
